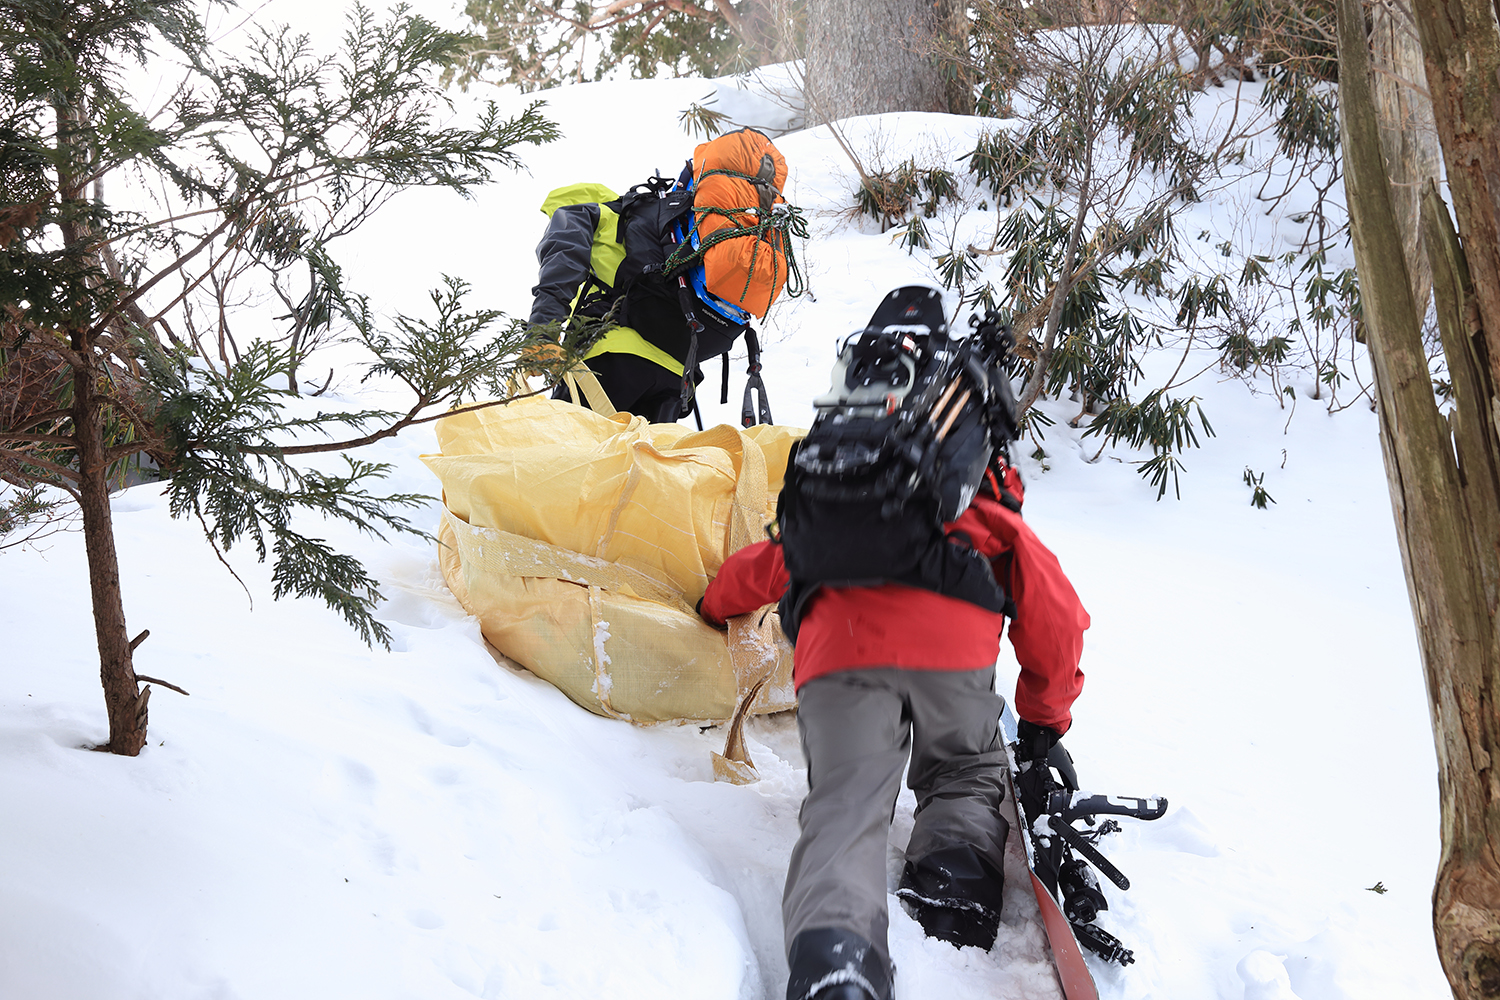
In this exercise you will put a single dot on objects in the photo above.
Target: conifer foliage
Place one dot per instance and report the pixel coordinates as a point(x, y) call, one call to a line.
point(535, 45)
point(116, 357)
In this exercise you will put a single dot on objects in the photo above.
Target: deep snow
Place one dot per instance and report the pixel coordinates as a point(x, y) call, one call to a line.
point(323, 820)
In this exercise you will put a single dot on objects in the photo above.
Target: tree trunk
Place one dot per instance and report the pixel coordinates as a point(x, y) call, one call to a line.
point(1461, 46)
point(1408, 136)
point(1444, 477)
point(867, 57)
point(1466, 901)
point(124, 703)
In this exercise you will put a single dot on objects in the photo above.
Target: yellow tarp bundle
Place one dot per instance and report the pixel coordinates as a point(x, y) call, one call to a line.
point(582, 543)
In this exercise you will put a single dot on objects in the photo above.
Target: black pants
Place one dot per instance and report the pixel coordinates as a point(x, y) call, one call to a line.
point(635, 385)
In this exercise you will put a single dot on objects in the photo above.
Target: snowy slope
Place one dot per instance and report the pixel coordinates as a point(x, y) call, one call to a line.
point(323, 820)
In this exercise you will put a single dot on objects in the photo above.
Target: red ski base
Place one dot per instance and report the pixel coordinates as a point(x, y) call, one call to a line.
point(1077, 983)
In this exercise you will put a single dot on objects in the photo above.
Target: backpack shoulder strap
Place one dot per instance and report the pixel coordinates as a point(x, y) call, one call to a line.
point(1003, 482)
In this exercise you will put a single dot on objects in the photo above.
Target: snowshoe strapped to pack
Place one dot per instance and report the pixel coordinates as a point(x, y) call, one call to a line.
point(901, 444)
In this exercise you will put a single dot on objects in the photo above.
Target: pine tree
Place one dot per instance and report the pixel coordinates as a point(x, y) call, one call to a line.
point(261, 159)
point(538, 45)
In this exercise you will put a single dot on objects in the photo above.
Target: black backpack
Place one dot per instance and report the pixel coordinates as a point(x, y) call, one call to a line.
point(900, 446)
point(650, 213)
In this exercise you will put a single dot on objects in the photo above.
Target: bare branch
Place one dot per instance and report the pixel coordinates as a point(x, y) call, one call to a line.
point(21, 436)
point(71, 475)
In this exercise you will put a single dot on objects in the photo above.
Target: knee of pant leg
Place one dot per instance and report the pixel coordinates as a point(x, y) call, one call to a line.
point(827, 957)
point(955, 894)
point(971, 820)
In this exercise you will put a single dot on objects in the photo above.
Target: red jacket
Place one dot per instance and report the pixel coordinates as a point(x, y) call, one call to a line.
point(899, 626)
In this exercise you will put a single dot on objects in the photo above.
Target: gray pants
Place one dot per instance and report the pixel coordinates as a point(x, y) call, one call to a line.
point(858, 728)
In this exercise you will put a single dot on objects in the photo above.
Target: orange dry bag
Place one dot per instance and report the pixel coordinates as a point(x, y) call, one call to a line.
point(737, 178)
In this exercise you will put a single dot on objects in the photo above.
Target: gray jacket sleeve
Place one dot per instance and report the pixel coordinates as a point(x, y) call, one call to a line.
point(564, 254)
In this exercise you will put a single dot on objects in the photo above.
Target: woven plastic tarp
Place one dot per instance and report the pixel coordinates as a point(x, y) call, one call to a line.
point(583, 542)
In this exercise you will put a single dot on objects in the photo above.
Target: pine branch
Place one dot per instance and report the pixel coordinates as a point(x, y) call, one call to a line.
point(57, 439)
point(61, 471)
point(230, 442)
point(260, 162)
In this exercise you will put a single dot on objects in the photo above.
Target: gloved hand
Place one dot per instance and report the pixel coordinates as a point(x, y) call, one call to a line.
point(541, 357)
point(721, 626)
point(1034, 742)
point(1038, 751)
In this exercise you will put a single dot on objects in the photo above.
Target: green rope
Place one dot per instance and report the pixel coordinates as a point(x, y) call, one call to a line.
point(788, 222)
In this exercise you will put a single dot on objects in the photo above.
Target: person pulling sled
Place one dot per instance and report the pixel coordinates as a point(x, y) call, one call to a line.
point(682, 265)
point(897, 555)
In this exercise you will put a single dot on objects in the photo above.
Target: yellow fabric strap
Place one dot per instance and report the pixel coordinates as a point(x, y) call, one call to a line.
point(625, 340)
point(608, 252)
point(581, 381)
point(752, 644)
point(747, 523)
point(603, 683)
point(518, 555)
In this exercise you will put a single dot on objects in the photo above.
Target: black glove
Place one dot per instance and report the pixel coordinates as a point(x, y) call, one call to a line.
point(1038, 752)
point(1034, 742)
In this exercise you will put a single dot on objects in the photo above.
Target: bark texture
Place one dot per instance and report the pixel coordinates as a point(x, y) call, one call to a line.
point(1408, 134)
point(867, 57)
point(1461, 48)
point(1444, 476)
point(123, 700)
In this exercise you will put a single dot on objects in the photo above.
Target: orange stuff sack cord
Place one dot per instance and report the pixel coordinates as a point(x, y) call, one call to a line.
point(744, 270)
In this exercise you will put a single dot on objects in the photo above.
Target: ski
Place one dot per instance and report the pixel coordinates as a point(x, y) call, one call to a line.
point(1067, 891)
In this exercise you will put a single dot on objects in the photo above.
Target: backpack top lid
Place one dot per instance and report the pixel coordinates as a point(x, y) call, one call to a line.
point(741, 169)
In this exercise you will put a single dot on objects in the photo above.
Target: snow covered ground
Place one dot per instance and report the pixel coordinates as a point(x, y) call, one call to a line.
point(323, 820)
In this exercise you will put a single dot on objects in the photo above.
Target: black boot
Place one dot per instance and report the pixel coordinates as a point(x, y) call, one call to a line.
point(955, 895)
point(843, 991)
point(961, 928)
point(830, 963)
